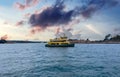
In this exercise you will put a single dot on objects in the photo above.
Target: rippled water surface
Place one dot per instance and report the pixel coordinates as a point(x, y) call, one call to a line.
point(83, 60)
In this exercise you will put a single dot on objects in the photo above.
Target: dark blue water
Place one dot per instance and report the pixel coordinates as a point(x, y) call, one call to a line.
point(83, 60)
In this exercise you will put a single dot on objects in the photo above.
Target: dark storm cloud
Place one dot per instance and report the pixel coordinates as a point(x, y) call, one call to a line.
point(117, 30)
point(94, 5)
point(56, 14)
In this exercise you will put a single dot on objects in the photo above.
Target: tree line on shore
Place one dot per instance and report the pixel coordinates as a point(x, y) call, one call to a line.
point(109, 37)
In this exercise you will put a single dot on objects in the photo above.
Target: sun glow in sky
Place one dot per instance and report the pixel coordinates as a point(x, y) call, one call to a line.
point(39, 19)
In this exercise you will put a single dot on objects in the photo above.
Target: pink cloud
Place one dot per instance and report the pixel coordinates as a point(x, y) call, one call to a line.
point(27, 4)
point(20, 23)
point(20, 6)
point(4, 37)
point(27, 15)
point(35, 30)
point(31, 2)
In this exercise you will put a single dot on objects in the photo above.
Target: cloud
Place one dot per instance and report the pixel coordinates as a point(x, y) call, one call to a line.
point(27, 15)
point(31, 2)
point(20, 23)
point(91, 6)
point(67, 33)
point(52, 16)
point(20, 6)
point(116, 31)
point(27, 4)
point(35, 30)
point(56, 15)
point(4, 37)
point(78, 32)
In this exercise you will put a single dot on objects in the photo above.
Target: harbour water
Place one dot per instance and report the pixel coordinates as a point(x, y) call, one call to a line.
point(83, 60)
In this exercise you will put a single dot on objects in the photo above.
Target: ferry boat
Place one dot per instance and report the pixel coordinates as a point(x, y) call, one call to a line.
point(59, 42)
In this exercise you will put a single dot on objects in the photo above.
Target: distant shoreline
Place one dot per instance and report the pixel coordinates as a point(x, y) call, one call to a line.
point(98, 43)
point(19, 41)
point(74, 43)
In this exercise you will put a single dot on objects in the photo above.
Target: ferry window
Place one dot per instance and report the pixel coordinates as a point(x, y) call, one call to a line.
point(65, 43)
point(53, 44)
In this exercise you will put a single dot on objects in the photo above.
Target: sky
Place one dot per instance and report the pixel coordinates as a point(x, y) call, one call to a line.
point(39, 20)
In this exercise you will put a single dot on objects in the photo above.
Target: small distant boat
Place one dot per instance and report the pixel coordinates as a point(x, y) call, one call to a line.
point(3, 41)
point(59, 42)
